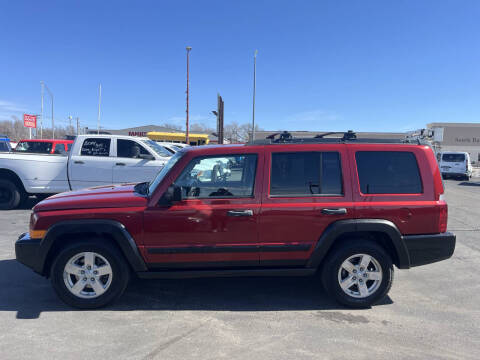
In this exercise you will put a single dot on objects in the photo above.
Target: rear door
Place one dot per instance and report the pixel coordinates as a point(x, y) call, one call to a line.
point(130, 167)
point(306, 189)
point(93, 165)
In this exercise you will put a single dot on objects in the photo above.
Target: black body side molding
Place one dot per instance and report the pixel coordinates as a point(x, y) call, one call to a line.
point(341, 227)
point(98, 227)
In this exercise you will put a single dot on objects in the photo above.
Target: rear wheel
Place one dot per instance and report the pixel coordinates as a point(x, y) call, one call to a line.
point(10, 195)
point(89, 274)
point(358, 274)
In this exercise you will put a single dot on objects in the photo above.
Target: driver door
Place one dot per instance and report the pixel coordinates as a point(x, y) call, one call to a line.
point(215, 223)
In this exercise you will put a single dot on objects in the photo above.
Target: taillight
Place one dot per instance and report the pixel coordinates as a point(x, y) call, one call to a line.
point(443, 218)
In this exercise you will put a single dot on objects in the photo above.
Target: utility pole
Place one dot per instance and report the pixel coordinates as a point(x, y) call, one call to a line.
point(53, 121)
point(99, 104)
point(254, 89)
point(41, 116)
point(187, 140)
point(78, 125)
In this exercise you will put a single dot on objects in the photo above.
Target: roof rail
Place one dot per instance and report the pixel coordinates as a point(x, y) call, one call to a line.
point(348, 137)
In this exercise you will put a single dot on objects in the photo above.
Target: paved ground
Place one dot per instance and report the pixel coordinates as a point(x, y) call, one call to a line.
point(432, 312)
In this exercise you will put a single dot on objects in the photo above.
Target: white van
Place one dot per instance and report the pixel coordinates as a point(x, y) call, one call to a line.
point(456, 164)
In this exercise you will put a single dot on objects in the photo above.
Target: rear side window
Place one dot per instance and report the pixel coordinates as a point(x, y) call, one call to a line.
point(60, 149)
point(95, 147)
point(388, 172)
point(453, 157)
point(306, 174)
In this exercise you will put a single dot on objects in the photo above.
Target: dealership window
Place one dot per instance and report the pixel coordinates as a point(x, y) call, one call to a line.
point(388, 172)
point(306, 174)
point(219, 177)
point(95, 147)
point(130, 149)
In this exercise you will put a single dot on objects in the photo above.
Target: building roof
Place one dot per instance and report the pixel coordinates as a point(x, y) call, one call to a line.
point(452, 124)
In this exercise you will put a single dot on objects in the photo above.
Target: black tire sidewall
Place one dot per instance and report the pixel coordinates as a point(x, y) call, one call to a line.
point(331, 267)
point(120, 270)
point(16, 195)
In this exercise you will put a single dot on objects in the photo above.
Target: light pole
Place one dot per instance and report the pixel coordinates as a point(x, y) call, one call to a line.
point(42, 85)
point(51, 96)
point(99, 104)
point(254, 89)
point(187, 140)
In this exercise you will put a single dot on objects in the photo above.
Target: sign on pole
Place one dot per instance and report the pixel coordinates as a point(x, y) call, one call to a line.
point(30, 121)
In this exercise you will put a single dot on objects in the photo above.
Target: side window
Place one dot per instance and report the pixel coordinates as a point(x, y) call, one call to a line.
point(388, 172)
point(60, 149)
point(219, 177)
point(130, 149)
point(95, 147)
point(306, 174)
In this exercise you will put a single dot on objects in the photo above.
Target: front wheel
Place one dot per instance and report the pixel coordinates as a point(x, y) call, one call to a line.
point(89, 274)
point(358, 274)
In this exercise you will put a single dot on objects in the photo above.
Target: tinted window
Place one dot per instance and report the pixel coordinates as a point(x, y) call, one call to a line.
point(34, 147)
point(453, 157)
point(130, 149)
point(306, 173)
point(60, 149)
point(225, 176)
point(388, 172)
point(4, 146)
point(95, 147)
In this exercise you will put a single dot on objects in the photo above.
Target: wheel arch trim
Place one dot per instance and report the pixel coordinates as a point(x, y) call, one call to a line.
point(117, 230)
point(338, 228)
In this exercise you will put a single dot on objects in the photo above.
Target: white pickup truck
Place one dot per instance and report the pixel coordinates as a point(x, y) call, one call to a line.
point(92, 161)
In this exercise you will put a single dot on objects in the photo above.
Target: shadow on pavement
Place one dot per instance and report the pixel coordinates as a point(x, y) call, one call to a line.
point(29, 203)
point(30, 294)
point(469, 183)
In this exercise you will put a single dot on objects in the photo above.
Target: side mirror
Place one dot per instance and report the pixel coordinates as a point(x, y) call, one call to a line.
point(172, 195)
point(146, 157)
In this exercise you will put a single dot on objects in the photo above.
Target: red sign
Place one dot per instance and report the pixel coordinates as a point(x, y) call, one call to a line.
point(29, 121)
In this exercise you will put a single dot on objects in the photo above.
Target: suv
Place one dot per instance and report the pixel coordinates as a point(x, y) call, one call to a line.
point(345, 207)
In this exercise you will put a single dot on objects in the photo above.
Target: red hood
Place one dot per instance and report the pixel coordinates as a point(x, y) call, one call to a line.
point(111, 196)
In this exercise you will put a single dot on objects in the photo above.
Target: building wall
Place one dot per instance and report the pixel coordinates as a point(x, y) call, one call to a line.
point(463, 137)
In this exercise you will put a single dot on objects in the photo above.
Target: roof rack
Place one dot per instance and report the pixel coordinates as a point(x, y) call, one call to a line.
point(347, 137)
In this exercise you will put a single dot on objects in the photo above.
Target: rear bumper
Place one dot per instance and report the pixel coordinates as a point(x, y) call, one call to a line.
point(27, 250)
point(447, 173)
point(427, 249)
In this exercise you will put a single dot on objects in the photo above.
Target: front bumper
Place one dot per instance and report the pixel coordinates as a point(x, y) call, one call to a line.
point(427, 249)
point(27, 252)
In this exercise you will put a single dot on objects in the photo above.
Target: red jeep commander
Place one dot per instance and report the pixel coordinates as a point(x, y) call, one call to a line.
point(348, 208)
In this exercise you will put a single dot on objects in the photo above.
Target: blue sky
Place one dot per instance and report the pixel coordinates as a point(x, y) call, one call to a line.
point(322, 65)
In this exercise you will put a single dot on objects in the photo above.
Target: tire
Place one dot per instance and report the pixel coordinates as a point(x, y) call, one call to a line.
point(333, 273)
point(10, 195)
point(112, 284)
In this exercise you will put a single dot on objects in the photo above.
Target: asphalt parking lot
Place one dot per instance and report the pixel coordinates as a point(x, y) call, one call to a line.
point(431, 312)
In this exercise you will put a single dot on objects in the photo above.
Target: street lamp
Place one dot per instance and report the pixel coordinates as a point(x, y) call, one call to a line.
point(187, 140)
point(53, 121)
point(254, 88)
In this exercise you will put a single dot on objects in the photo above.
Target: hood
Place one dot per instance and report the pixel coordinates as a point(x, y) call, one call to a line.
point(111, 196)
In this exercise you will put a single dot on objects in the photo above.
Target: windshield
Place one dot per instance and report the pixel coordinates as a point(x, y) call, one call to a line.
point(161, 175)
point(453, 157)
point(34, 147)
point(160, 150)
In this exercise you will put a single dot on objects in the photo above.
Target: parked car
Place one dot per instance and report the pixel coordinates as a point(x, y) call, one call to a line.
point(92, 161)
point(456, 164)
point(43, 146)
point(5, 144)
point(349, 209)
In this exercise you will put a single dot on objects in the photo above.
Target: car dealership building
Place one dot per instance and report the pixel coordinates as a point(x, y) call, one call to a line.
point(457, 137)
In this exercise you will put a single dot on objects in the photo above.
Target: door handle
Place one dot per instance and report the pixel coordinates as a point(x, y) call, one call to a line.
point(120, 164)
point(339, 211)
point(240, 213)
point(78, 162)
